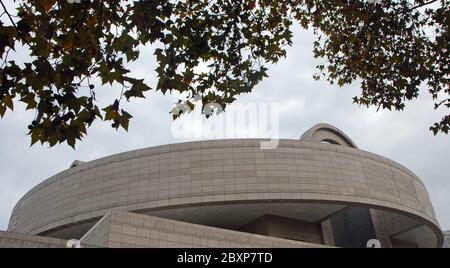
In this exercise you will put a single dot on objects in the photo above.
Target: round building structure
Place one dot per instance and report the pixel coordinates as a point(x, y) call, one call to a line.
point(319, 190)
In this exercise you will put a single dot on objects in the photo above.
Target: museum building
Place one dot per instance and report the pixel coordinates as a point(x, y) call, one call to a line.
point(318, 191)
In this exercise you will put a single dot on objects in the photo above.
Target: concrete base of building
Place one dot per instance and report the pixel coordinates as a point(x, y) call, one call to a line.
point(120, 229)
point(18, 240)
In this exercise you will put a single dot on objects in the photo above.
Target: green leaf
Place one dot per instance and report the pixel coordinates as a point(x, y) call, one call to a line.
point(71, 142)
point(35, 136)
point(2, 111)
point(8, 102)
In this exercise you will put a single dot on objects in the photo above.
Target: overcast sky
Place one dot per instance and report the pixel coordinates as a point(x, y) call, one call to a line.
point(401, 136)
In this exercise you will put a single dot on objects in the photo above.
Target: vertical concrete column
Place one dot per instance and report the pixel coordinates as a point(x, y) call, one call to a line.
point(380, 227)
point(327, 232)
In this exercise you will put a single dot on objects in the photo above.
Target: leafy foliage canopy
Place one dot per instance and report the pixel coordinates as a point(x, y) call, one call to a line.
point(213, 49)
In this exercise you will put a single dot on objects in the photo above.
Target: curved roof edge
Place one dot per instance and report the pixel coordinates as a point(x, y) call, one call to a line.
point(327, 133)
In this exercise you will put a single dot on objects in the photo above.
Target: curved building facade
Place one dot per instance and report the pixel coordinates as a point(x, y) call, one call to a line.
point(320, 190)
